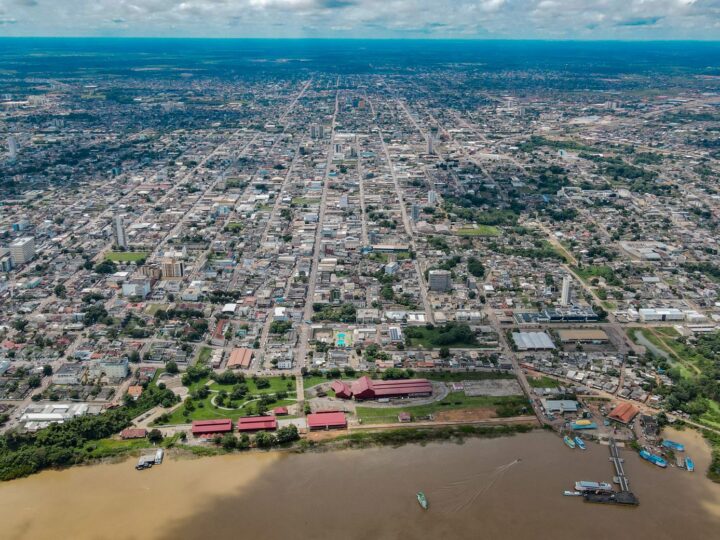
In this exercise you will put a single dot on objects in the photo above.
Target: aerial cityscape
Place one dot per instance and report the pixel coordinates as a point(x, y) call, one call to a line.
point(241, 278)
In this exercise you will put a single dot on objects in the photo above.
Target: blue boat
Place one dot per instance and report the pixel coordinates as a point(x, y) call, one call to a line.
point(578, 427)
point(652, 458)
point(580, 443)
point(672, 445)
point(569, 442)
point(689, 464)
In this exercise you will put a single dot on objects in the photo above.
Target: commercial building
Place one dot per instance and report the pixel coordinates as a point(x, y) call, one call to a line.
point(22, 250)
point(440, 280)
point(173, 269)
point(208, 428)
point(326, 420)
point(240, 357)
point(565, 295)
point(257, 423)
point(624, 413)
point(532, 341)
point(583, 336)
point(342, 389)
point(667, 314)
point(367, 388)
point(560, 405)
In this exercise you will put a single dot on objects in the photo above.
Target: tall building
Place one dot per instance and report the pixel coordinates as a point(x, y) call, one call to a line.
point(415, 212)
point(432, 196)
point(173, 269)
point(565, 294)
point(430, 148)
point(22, 250)
point(439, 280)
point(12, 147)
point(314, 131)
point(120, 237)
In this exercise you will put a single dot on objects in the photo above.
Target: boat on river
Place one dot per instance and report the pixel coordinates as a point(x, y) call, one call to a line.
point(422, 499)
point(689, 464)
point(580, 443)
point(652, 458)
point(567, 440)
point(672, 445)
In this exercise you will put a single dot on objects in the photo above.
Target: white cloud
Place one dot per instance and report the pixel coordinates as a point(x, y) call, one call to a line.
point(642, 19)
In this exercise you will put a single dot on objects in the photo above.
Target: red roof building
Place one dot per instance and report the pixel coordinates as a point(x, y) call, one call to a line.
point(624, 413)
point(208, 428)
point(280, 411)
point(366, 388)
point(240, 357)
point(257, 423)
point(327, 420)
point(133, 433)
point(341, 389)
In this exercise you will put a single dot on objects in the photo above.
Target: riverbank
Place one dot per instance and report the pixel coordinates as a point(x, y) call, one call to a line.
point(507, 487)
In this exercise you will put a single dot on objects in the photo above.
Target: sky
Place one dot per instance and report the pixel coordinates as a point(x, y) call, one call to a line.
point(479, 19)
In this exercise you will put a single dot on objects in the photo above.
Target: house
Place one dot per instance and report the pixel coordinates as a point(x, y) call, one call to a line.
point(133, 433)
point(135, 391)
point(342, 389)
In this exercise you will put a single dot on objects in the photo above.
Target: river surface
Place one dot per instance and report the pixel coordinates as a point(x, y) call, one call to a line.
point(477, 490)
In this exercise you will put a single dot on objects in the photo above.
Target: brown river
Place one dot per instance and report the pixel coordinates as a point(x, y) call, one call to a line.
point(477, 490)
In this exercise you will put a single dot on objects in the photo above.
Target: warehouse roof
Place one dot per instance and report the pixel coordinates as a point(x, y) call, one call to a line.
point(532, 340)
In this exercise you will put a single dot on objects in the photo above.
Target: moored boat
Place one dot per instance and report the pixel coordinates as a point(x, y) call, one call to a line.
point(568, 441)
point(689, 464)
point(593, 487)
point(652, 458)
point(422, 499)
point(569, 493)
point(580, 443)
point(672, 445)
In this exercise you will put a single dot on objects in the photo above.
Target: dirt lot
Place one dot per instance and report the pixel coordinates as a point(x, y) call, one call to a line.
point(464, 415)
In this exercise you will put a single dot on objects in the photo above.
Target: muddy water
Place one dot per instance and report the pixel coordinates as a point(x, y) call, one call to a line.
point(477, 490)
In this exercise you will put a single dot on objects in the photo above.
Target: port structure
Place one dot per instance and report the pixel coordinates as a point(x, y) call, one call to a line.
point(624, 496)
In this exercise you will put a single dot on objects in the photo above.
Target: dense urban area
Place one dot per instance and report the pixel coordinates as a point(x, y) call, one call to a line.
point(287, 253)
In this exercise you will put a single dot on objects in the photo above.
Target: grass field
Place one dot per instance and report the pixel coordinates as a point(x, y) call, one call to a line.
point(427, 336)
point(543, 382)
point(463, 376)
point(454, 400)
point(204, 354)
point(127, 256)
point(480, 230)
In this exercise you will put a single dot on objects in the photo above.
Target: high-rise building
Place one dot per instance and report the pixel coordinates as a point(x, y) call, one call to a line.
point(314, 131)
point(12, 147)
point(119, 228)
point(415, 212)
point(565, 294)
point(432, 196)
point(173, 269)
point(22, 250)
point(439, 280)
point(430, 147)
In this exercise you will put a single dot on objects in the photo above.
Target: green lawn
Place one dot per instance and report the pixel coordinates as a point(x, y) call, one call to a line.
point(463, 376)
point(711, 417)
point(204, 354)
point(508, 405)
point(427, 336)
point(588, 272)
point(234, 226)
point(543, 382)
point(126, 256)
point(480, 230)
point(299, 201)
point(277, 384)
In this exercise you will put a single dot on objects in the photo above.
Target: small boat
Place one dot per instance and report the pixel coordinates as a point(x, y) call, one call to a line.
point(567, 440)
point(577, 426)
point(580, 443)
point(652, 458)
point(422, 500)
point(569, 493)
point(689, 464)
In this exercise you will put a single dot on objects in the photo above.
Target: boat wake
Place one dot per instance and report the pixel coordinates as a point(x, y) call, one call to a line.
point(495, 475)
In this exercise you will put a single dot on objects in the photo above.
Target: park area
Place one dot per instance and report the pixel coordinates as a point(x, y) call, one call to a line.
point(127, 256)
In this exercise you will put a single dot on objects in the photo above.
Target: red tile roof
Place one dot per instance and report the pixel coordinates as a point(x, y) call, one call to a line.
point(366, 388)
point(326, 419)
point(341, 389)
point(280, 411)
point(133, 433)
point(240, 357)
point(624, 412)
point(205, 427)
point(257, 423)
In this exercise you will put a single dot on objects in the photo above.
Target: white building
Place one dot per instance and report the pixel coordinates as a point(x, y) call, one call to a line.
point(665, 314)
point(119, 228)
point(565, 296)
point(22, 250)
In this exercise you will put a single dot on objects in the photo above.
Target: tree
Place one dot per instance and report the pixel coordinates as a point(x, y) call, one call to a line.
point(287, 434)
point(265, 440)
point(155, 436)
point(33, 381)
point(229, 442)
point(47, 370)
point(444, 352)
point(172, 367)
point(59, 290)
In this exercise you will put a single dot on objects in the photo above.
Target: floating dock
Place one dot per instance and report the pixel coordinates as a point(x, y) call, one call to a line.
point(624, 496)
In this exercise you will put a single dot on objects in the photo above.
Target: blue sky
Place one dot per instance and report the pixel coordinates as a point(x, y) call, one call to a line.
point(486, 19)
